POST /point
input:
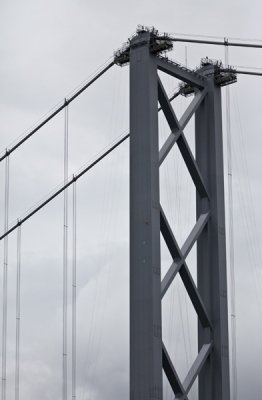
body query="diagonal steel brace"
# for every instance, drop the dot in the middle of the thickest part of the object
(179, 265)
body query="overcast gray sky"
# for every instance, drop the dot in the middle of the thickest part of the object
(48, 48)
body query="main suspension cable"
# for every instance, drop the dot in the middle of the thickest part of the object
(241, 72)
(55, 112)
(5, 276)
(18, 300)
(191, 35)
(225, 42)
(75, 178)
(64, 186)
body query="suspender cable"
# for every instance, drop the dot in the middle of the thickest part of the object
(5, 265)
(18, 285)
(107, 67)
(65, 258)
(74, 297)
(56, 111)
(118, 142)
(231, 238)
(65, 186)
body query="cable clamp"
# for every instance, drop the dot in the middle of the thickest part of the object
(74, 178)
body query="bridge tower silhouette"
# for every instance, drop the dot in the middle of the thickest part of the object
(148, 354)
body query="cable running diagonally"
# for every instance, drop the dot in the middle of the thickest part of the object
(64, 186)
(224, 42)
(191, 35)
(55, 112)
(75, 177)
(247, 206)
(242, 72)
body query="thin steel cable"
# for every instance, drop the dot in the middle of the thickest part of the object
(239, 72)
(5, 278)
(182, 301)
(246, 67)
(118, 141)
(18, 306)
(216, 37)
(65, 258)
(75, 177)
(225, 42)
(247, 206)
(111, 222)
(59, 107)
(231, 238)
(74, 297)
(55, 111)
(94, 337)
(109, 226)
(185, 294)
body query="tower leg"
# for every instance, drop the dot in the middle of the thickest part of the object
(211, 247)
(145, 284)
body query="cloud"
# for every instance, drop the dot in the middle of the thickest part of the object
(47, 49)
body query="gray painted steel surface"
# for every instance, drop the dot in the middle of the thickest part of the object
(211, 247)
(148, 355)
(145, 284)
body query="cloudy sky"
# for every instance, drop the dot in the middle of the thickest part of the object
(48, 48)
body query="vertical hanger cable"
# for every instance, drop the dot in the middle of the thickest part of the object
(18, 297)
(65, 257)
(5, 276)
(74, 297)
(231, 237)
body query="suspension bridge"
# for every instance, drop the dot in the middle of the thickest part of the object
(155, 131)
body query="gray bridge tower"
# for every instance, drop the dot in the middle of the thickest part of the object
(148, 355)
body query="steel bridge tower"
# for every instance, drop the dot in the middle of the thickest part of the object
(148, 355)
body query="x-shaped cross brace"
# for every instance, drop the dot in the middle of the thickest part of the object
(179, 264)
